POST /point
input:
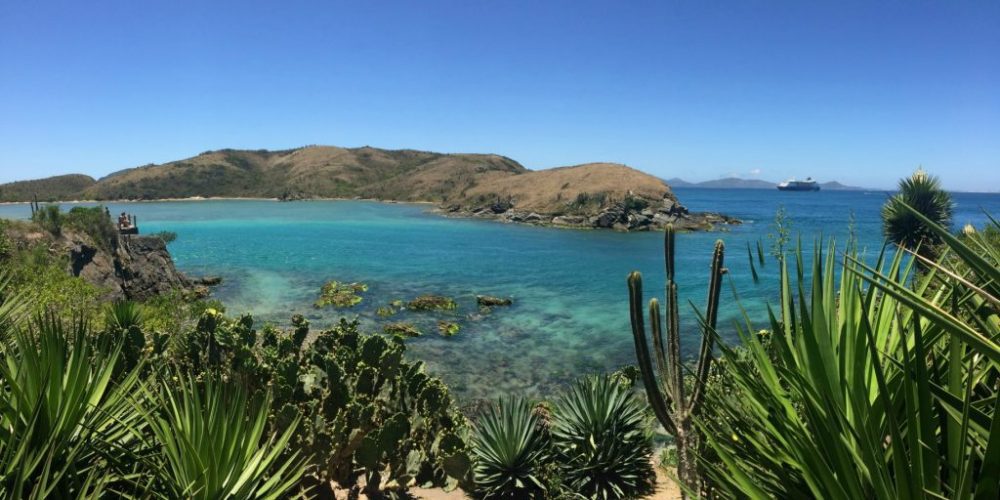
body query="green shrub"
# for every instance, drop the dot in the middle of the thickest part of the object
(49, 218)
(602, 440)
(6, 246)
(166, 236)
(94, 222)
(510, 451)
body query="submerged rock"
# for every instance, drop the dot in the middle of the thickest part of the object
(402, 329)
(432, 303)
(337, 294)
(448, 328)
(490, 301)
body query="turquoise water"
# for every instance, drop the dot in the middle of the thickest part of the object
(570, 312)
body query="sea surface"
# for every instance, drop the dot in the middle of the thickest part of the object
(570, 311)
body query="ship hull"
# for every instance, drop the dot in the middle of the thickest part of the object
(798, 188)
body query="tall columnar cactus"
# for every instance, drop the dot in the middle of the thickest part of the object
(665, 383)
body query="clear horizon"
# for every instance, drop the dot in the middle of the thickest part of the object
(854, 92)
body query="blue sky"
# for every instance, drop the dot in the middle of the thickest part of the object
(861, 92)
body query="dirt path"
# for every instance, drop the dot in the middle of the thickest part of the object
(666, 489)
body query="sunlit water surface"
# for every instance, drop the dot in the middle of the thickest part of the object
(570, 312)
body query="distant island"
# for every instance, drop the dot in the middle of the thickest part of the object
(738, 183)
(597, 195)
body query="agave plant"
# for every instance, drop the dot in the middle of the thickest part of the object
(884, 386)
(66, 427)
(509, 450)
(602, 440)
(900, 224)
(215, 443)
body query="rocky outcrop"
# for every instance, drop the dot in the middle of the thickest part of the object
(130, 267)
(146, 269)
(634, 214)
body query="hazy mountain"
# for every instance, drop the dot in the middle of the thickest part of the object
(737, 183)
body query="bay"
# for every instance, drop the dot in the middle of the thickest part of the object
(570, 311)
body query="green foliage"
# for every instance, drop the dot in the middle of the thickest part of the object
(34, 270)
(166, 236)
(510, 449)
(635, 204)
(6, 246)
(64, 423)
(673, 403)
(49, 218)
(781, 235)
(432, 303)
(213, 442)
(94, 222)
(602, 441)
(365, 411)
(924, 194)
(883, 386)
(337, 294)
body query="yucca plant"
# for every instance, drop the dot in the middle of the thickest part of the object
(66, 427)
(214, 442)
(884, 386)
(602, 441)
(122, 315)
(901, 226)
(510, 449)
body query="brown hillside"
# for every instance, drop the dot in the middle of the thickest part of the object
(556, 190)
(466, 180)
(318, 171)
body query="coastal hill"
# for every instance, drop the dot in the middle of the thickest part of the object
(333, 172)
(61, 187)
(738, 183)
(481, 185)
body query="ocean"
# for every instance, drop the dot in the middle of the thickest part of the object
(570, 310)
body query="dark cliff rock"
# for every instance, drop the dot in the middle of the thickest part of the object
(130, 267)
(146, 268)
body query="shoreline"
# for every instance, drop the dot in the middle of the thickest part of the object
(616, 217)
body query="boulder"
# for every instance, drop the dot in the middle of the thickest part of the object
(569, 220)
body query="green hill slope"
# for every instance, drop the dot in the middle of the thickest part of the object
(59, 188)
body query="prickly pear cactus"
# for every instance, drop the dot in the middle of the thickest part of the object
(366, 412)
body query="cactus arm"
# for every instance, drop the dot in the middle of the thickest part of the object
(668, 252)
(656, 399)
(659, 350)
(676, 380)
(711, 317)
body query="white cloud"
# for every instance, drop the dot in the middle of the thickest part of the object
(755, 172)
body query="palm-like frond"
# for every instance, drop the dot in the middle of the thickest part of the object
(66, 427)
(509, 448)
(923, 193)
(601, 436)
(214, 443)
(881, 387)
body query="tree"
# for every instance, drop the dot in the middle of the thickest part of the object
(923, 192)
